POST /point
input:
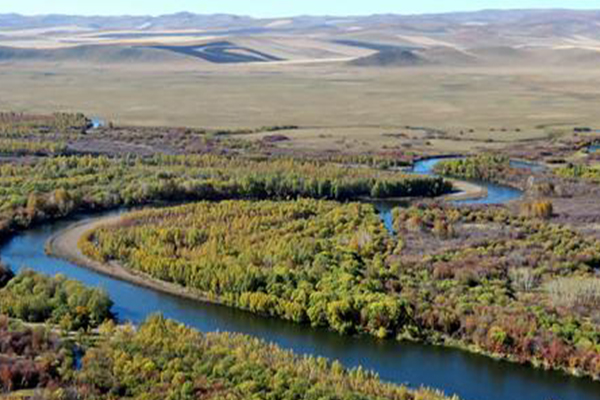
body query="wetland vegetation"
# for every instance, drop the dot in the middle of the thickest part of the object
(160, 359)
(293, 237)
(482, 279)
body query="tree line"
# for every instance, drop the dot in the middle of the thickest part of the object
(55, 187)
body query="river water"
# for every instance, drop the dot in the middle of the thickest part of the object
(98, 123)
(470, 376)
(496, 194)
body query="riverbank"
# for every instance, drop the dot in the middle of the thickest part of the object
(64, 245)
(465, 191)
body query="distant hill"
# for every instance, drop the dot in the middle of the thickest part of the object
(171, 21)
(555, 21)
(486, 37)
(96, 54)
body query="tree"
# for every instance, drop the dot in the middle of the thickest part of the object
(34, 205)
(62, 200)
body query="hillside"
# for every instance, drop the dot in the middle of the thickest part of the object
(518, 36)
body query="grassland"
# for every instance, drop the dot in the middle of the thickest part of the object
(338, 107)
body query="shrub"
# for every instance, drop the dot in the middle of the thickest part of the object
(543, 209)
(523, 279)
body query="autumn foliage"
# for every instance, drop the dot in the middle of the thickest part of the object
(334, 265)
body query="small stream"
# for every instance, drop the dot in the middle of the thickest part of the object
(98, 123)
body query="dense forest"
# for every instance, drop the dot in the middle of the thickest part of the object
(55, 187)
(165, 360)
(158, 360)
(514, 286)
(33, 297)
(485, 167)
(300, 260)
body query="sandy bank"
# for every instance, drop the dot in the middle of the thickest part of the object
(64, 245)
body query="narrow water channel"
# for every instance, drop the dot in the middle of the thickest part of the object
(496, 194)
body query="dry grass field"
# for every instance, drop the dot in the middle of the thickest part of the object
(336, 105)
(454, 83)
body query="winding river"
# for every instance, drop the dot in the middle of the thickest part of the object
(471, 376)
(496, 194)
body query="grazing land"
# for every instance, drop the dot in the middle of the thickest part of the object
(470, 81)
(350, 109)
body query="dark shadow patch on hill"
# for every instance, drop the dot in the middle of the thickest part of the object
(391, 58)
(91, 53)
(387, 55)
(221, 53)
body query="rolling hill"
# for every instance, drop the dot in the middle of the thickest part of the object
(487, 37)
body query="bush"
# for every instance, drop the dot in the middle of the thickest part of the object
(34, 297)
(543, 209)
(523, 279)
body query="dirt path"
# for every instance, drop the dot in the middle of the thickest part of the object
(64, 245)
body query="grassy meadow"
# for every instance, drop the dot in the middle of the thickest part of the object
(337, 106)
